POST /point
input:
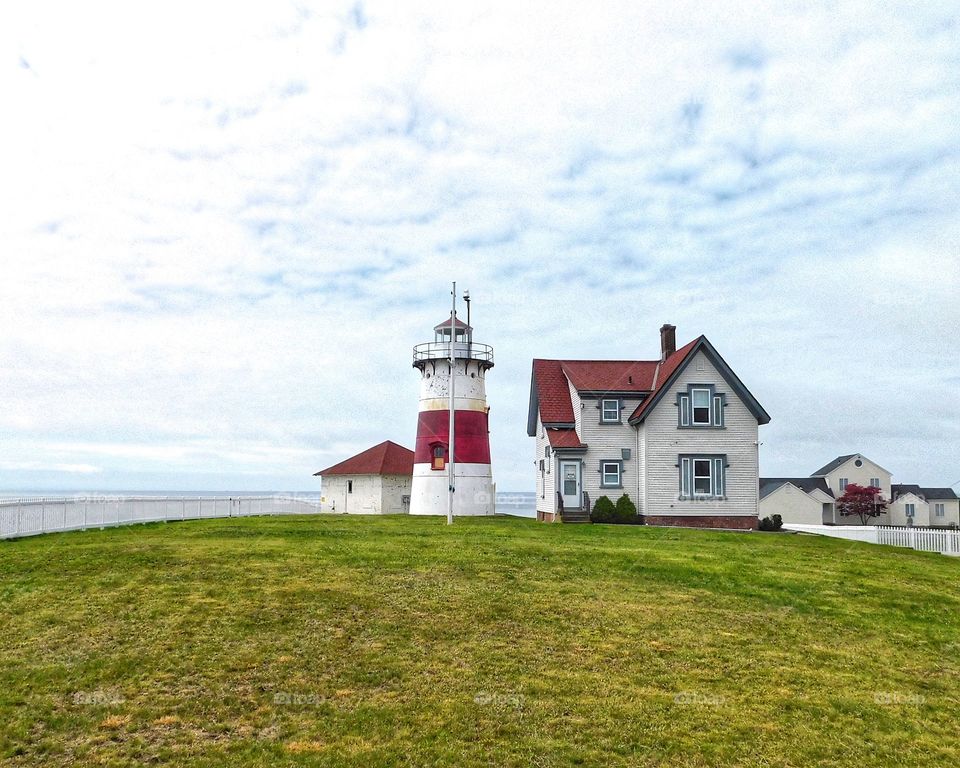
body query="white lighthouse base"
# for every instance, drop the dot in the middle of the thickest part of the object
(475, 493)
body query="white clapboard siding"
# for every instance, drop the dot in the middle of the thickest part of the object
(607, 441)
(665, 442)
(546, 482)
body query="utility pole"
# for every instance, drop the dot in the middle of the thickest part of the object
(451, 456)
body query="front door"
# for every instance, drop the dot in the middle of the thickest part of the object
(570, 481)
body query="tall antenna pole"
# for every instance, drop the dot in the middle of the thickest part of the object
(451, 464)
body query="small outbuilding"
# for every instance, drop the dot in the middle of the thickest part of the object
(374, 482)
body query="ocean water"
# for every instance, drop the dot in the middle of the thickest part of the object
(516, 503)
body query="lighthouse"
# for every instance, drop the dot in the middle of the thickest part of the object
(471, 479)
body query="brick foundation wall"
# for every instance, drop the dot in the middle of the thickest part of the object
(546, 517)
(705, 521)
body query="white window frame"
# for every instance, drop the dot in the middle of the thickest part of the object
(910, 510)
(875, 484)
(708, 476)
(694, 406)
(939, 510)
(844, 482)
(616, 411)
(618, 482)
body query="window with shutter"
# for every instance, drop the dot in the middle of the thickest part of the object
(701, 407)
(702, 476)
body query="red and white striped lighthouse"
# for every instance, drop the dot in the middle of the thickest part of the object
(472, 479)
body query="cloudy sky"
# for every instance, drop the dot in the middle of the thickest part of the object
(223, 226)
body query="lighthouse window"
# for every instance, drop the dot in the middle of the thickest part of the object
(439, 457)
(349, 486)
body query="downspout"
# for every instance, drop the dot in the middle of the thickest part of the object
(756, 485)
(636, 454)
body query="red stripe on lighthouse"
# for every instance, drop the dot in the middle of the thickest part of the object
(471, 435)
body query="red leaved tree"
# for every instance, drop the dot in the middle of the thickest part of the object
(861, 500)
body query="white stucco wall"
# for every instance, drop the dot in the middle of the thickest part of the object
(365, 499)
(393, 489)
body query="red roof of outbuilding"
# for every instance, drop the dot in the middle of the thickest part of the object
(387, 458)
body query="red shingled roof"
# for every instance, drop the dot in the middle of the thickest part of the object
(553, 393)
(550, 379)
(387, 458)
(565, 437)
(667, 367)
(610, 375)
(446, 324)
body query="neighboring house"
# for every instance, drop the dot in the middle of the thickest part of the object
(678, 435)
(933, 507)
(854, 468)
(823, 487)
(807, 500)
(376, 481)
(907, 504)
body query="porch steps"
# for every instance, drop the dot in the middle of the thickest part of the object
(575, 516)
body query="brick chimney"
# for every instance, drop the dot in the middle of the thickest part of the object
(668, 340)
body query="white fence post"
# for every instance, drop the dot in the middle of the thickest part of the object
(43, 514)
(19, 516)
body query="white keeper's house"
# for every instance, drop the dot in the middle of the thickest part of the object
(374, 482)
(678, 434)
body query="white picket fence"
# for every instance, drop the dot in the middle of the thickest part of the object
(31, 516)
(923, 539)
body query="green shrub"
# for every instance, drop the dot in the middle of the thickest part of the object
(603, 511)
(626, 512)
(771, 524)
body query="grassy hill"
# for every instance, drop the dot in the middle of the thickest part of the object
(496, 642)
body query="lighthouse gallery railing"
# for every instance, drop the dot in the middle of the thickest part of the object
(440, 350)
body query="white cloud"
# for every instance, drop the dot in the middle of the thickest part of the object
(223, 228)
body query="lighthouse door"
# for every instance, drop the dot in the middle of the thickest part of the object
(570, 480)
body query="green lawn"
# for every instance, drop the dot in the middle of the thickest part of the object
(496, 642)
